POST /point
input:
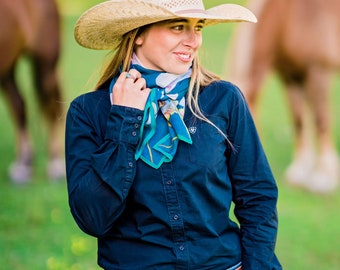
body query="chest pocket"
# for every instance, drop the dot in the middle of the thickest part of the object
(208, 144)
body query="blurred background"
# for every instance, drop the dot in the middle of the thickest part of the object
(36, 227)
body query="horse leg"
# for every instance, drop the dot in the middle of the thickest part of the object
(325, 177)
(252, 52)
(21, 169)
(249, 74)
(49, 96)
(303, 162)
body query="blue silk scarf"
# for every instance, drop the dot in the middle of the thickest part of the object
(163, 124)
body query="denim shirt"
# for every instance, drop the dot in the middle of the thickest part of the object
(177, 216)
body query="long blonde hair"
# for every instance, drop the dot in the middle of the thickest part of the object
(122, 59)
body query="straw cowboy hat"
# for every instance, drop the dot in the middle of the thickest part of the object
(102, 26)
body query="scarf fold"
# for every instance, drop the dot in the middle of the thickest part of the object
(162, 126)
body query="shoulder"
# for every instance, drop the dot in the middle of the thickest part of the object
(90, 105)
(92, 102)
(224, 88)
(94, 98)
(222, 94)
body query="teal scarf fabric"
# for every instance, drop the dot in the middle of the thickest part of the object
(163, 124)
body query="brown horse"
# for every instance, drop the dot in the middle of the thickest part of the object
(31, 27)
(300, 40)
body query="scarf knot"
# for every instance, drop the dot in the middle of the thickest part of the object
(162, 126)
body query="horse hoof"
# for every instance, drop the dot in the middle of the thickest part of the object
(325, 177)
(296, 177)
(20, 173)
(56, 169)
(322, 178)
(299, 171)
(322, 182)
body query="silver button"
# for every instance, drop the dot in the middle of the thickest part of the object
(139, 118)
(134, 133)
(176, 217)
(181, 247)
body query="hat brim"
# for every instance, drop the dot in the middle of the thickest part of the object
(102, 26)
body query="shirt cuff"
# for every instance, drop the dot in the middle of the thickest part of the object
(123, 124)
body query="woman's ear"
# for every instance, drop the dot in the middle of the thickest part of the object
(139, 41)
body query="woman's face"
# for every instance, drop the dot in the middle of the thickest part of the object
(170, 46)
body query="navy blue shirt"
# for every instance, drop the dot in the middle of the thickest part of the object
(177, 216)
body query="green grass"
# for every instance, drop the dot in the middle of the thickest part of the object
(36, 229)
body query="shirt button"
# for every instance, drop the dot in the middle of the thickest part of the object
(130, 164)
(176, 217)
(136, 126)
(181, 247)
(139, 118)
(169, 182)
(134, 133)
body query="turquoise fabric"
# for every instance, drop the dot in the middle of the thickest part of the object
(163, 124)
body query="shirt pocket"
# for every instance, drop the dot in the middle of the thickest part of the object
(208, 144)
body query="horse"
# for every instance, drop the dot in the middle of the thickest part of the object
(31, 28)
(300, 41)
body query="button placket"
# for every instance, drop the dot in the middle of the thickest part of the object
(175, 213)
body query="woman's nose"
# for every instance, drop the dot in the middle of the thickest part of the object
(192, 39)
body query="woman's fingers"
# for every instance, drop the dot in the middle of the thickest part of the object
(133, 75)
(130, 90)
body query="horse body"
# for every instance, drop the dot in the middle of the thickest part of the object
(31, 27)
(310, 34)
(300, 40)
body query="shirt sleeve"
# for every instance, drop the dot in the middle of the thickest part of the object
(254, 189)
(100, 163)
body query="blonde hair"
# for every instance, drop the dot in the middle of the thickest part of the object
(122, 59)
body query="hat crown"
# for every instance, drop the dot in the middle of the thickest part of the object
(179, 5)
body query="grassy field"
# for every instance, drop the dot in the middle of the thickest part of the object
(37, 231)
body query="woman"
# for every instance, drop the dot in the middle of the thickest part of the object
(157, 154)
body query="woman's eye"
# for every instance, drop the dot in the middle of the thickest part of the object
(177, 27)
(199, 27)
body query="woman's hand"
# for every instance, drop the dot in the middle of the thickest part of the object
(130, 90)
